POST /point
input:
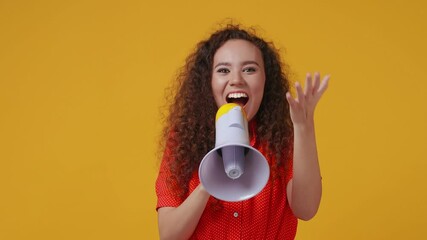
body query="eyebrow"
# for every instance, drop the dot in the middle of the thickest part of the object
(229, 64)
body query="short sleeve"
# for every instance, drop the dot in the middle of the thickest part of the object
(165, 195)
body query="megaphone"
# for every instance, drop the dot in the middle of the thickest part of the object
(233, 171)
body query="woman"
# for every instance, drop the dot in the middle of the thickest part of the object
(234, 65)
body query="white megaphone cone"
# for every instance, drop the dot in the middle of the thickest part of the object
(233, 171)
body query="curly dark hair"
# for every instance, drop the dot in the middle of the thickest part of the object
(189, 131)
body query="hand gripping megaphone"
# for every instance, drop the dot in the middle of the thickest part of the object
(233, 171)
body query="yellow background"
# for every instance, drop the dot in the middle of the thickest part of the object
(82, 85)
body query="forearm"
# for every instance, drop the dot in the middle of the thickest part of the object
(306, 182)
(180, 222)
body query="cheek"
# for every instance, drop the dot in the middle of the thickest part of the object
(217, 91)
(259, 89)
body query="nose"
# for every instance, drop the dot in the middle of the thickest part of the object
(236, 79)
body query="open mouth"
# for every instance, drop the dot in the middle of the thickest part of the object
(240, 98)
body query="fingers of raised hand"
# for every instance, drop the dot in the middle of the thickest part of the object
(291, 100)
(308, 91)
(322, 87)
(313, 91)
(314, 88)
(300, 93)
(316, 82)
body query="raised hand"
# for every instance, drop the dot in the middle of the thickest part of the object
(303, 106)
(305, 188)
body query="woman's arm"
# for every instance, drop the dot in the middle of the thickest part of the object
(305, 189)
(180, 222)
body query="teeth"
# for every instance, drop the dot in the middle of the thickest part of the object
(237, 95)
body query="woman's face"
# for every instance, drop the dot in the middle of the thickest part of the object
(238, 76)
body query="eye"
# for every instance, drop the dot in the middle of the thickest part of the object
(222, 70)
(249, 69)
